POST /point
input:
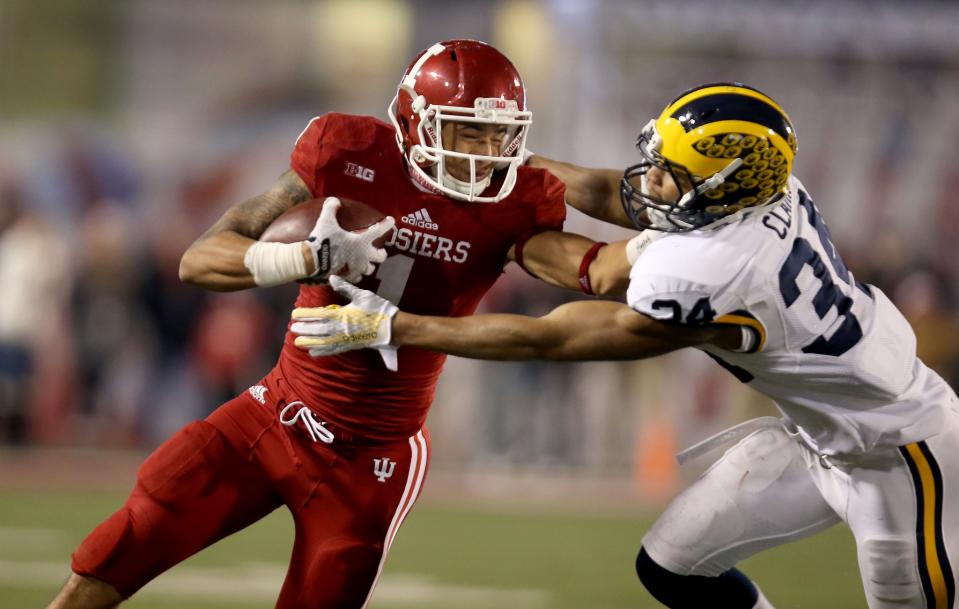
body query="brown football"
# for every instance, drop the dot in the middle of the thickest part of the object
(296, 223)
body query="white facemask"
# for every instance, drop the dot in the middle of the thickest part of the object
(427, 158)
(464, 187)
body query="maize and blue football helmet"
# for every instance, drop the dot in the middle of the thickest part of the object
(729, 146)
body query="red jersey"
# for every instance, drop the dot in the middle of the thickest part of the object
(443, 256)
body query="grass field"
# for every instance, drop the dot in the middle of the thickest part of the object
(447, 556)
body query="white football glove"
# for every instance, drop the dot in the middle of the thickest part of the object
(337, 250)
(366, 321)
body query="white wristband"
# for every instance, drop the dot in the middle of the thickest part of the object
(275, 263)
(638, 244)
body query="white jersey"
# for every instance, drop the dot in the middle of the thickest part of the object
(836, 356)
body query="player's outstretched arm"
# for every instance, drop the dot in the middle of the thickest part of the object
(569, 261)
(215, 261)
(579, 331)
(595, 192)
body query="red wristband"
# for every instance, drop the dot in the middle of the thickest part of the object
(588, 258)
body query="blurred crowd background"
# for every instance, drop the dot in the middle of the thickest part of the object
(127, 128)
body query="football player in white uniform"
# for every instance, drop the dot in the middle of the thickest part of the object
(737, 261)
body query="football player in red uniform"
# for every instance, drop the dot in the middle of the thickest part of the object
(341, 440)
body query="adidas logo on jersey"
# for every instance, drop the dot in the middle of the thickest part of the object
(420, 219)
(259, 393)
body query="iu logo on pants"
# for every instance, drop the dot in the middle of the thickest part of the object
(383, 468)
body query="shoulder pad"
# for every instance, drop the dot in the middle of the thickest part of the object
(345, 131)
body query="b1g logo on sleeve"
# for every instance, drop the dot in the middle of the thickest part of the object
(358, 171)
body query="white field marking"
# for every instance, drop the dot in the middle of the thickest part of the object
(255, 582)
(32, 538)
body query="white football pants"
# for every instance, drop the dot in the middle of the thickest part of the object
(902, 505)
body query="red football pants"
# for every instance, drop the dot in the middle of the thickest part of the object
(217, 476)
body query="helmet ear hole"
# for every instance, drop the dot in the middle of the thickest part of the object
(405, 123)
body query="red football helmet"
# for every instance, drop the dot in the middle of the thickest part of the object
(462, 81)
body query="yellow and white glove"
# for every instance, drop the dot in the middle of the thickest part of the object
(365, 322)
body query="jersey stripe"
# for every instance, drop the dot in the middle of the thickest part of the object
(744, 318)
(941, 555)
(414, 481)
(417, 487)
(935, 572)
